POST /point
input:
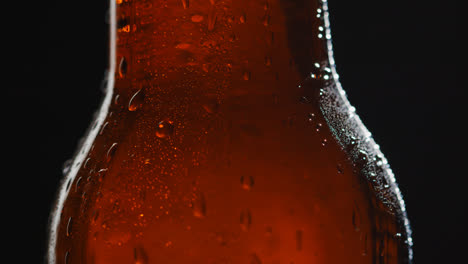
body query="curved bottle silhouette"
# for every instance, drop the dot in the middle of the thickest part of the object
(225, 137)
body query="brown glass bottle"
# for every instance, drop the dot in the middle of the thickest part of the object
(225, 137)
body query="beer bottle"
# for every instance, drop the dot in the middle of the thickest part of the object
(224, 136)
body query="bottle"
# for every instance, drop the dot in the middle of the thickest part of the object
(225, 137)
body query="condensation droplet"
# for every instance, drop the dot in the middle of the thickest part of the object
(246, 75)
(136, 101)
(199, 206)
(111, 152)
(243, 18)
(211, 106)
(245, 219)
(311, 117)
(382, 248)
(77, 184)
(266, 20)
(318, 127)
(324, 142)
(68, 184)
(123, 25)
(356, 219)
(67, 257)
(69, 226)
(268, 61)
(123, 67)
(339, 168)
(364, 245)
(268, 231)
(211, 19)
(197, 18)
(185, 4)
(95, 216)
(299, 235)
(247, 182)
(140, 256)
(67, 166)
(165, 129)
(182, 46)
(86, 163)
(103, 128)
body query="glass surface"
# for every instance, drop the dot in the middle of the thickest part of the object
(225, 137)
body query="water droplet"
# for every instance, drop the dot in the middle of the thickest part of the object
(319, 12)
(140, 256)
(67, 166)
(299, 234)
(254, 259)
(356, 219)
(199, 206)
(136, 101)
(339, 168)
(246, 75)
(318, 127)
(364, 246)
(101, 132)
(122, 67)
(268, 61)
(123, 24)
(165, 129)
(86, 163)
(182, 46)
(68, 184)
(197, 18)
(243, 18)
(111, 152)
(211, 19)
(77, 184)
(245, 219)
(67, 257)
(324, 142)
(321, 72)
(95, 216)
(211, 106)
(266, 20)
(116, 99)
(304, 100)
(185, 4)
(382, 248)
(69, 226)
(247, 182)
(268, 231)
(361, 159)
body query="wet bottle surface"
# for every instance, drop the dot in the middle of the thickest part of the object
(224, 137)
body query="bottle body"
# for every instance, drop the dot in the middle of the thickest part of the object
(225, 138)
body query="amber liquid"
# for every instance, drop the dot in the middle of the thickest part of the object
(223, 143)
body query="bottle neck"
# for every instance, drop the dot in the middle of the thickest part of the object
(175, 39)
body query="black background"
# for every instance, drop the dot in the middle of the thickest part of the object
(398, 62)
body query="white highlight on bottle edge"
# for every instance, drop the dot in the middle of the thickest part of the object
(91, 135)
